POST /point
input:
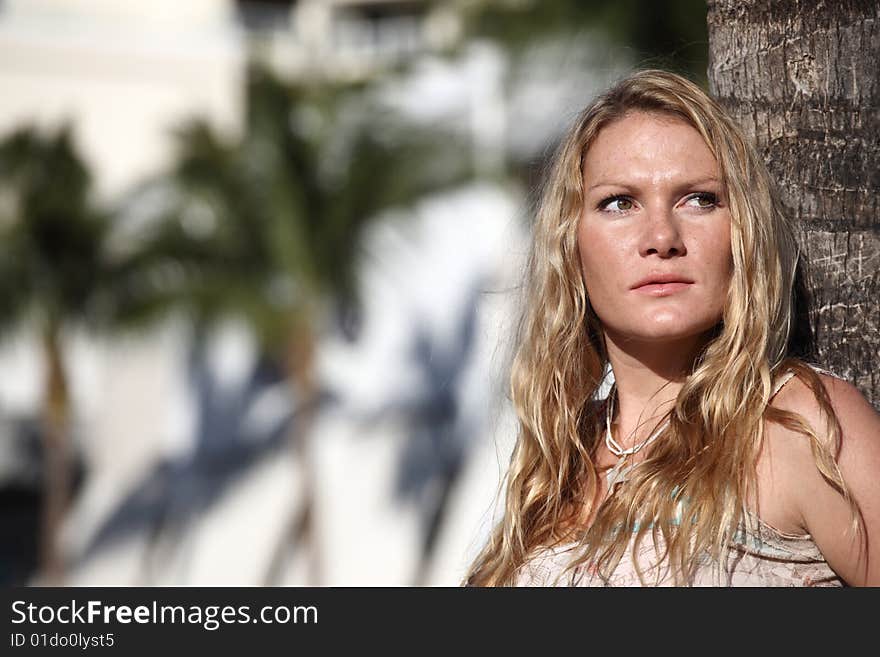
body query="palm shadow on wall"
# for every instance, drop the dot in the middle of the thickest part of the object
(167, 503)
(438, 432)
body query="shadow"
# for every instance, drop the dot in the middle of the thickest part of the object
(21, 499)
(228, 444)
(438, 433)
(802, 339)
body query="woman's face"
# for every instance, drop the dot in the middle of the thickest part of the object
(654, 233)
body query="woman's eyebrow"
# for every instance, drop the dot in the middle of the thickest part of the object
(698, 182)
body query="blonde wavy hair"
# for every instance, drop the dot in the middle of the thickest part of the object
(706, 462)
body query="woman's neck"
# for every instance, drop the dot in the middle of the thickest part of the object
(648, 377)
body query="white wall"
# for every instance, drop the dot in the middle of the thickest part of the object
(123, 73)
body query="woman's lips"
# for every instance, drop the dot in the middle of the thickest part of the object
(662, 289)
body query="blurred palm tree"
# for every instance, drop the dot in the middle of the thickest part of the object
(565, 51)
(52, 264)
(268, 228)
(664, 33)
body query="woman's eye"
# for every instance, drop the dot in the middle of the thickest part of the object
(617, 204)
(702, 200)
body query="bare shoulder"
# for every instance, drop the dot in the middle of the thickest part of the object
(859, 421)
(823, 511)
(853, 411)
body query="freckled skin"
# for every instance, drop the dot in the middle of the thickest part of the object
(654, 205)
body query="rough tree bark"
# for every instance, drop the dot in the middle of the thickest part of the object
(801, 76)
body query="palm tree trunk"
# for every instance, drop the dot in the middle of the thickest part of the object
(801, 78)
(299, 530)
(56, 458)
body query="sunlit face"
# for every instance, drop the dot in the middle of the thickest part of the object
(654, 233)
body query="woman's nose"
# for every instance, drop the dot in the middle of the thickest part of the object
(662, 235)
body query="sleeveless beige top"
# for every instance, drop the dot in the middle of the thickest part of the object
(759, 556)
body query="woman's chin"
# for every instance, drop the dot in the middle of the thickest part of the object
(671, 335)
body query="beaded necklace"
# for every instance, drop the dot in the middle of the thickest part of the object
(618, 473)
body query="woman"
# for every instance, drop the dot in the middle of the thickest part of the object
(717, 457)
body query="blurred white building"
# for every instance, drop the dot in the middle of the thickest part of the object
(124, 74)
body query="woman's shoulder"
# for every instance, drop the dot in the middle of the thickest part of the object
(801, 388)
(808, 393)
(823, 511)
